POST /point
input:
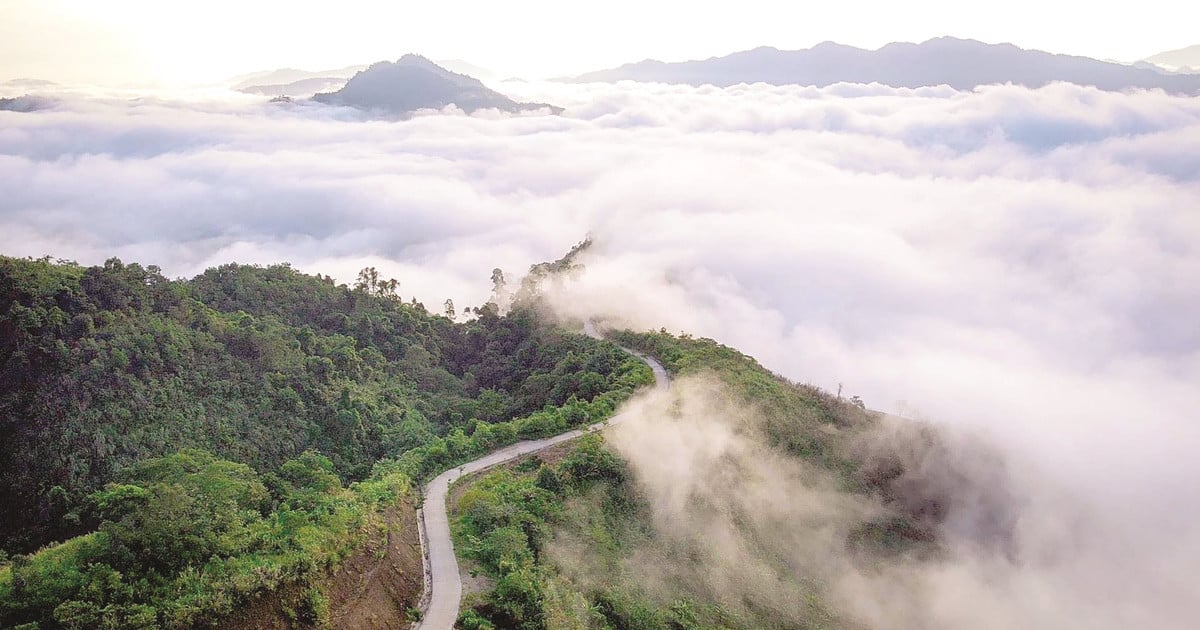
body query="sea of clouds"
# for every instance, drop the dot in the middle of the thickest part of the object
(1022, 264)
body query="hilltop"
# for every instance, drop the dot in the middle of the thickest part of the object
(414, 82)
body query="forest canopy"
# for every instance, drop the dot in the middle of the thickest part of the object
(181, 432)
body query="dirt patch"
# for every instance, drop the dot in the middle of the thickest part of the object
(269, 611)
(552, 455)
(370, 590)
(373, 589)
(477, 584)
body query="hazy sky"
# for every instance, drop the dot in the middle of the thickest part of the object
(190, 41)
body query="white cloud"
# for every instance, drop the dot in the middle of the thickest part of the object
(1018, 261)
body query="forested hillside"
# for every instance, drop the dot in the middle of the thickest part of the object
(286, 386)
(630, 535)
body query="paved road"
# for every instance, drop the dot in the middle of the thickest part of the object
(442, 578)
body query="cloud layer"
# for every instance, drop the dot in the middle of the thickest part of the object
(1018, 263)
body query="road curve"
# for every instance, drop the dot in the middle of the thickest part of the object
(442, 582)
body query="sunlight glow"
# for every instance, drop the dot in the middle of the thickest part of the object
(187, 42)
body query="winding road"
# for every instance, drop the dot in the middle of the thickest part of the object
(443, 586)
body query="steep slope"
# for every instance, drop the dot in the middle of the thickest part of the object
(414, 82)
(961, 64)
(376, 588)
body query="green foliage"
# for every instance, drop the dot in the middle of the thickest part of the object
(138, 412)
(189, 539)
(314, 610)
(799, 419)
(105, 366)
(591, 462)
(548, 480)
(471, 619)
(502, 523)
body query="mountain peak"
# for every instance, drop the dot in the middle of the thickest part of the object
(414, 82)
(413, 59)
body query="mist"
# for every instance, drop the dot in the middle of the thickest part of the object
(1016, 265)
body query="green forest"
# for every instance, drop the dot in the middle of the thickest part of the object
(507, 522)
(173, 448)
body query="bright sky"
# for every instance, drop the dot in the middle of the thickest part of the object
(182, 41)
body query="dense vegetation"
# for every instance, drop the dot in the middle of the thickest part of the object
(507, 522)
(108, 374)
(794, 416)
(188, 537)
(504, 520)
(565, 543)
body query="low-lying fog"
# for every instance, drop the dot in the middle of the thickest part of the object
(1020, 264)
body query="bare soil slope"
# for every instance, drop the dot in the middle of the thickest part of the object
(371, 590)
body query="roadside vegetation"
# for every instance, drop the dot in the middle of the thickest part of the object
(801, 420)
(569, 543)
(175, 448)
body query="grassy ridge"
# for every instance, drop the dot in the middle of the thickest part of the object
(802, 420)
(523, 525)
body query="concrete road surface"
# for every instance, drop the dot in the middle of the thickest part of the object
(442, 578)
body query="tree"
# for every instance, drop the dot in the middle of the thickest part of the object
(387, 289)
(548, 480)
(449, 304)
(368, 278)
(368, 282)
(499, 288)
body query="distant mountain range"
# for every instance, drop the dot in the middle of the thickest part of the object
(1181, 60)
(303, 87)
(960, 63)
(285, 76)
(414, 82)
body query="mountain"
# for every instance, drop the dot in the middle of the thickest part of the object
(467, 68)
(1183, 59)
(303, 87)
(414, 82)
(26, 103)
(960, 63)
(284, 76)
